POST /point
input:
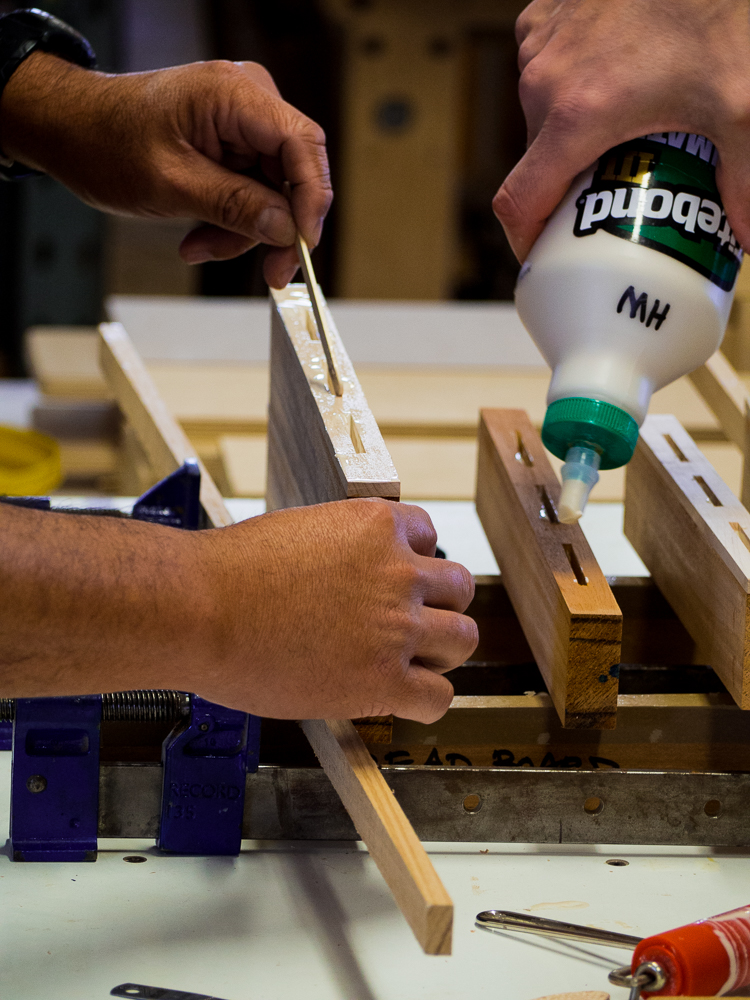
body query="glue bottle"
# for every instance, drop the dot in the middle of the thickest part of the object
(628, 288)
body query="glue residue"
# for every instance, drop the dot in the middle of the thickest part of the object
(565, 904)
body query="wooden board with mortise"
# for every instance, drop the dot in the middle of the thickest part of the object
(381, 823)
(564, 604)
(321, 446)
(693, 534)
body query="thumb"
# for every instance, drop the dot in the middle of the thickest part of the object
(423, 696)
(733, 181)
(537, 184)
(247, 211)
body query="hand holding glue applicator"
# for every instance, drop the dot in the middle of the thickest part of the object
(628, 288)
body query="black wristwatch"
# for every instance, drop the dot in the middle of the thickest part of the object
(23, 32)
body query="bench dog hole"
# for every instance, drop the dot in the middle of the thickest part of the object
(593, 805)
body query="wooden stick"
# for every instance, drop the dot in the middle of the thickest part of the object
(313, 290)
(390, 838)
(563, 602)
(693, 534)
(369, 801)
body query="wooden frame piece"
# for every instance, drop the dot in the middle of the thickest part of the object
(160, 435)
(693, 534)
(378, 818)
(321, 446)
(726, 394)
(568, 613)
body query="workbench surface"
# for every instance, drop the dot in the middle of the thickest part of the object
(317, 921)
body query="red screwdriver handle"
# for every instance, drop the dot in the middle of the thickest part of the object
(708, 958)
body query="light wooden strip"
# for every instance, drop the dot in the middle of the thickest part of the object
(320, 446)
(587, 995)
(563, 602)
(693, 534)
(162, 438)
(390, 838)
(726, 394)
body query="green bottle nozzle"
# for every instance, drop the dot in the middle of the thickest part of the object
(579, 476)
(589, 435)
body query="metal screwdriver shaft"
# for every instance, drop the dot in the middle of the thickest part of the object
(506, 920)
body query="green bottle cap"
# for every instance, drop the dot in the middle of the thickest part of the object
(591, 423)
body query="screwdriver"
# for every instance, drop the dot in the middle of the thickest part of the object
(136, 991)
(710, 957)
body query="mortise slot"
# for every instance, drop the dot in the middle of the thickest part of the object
(355, 436)
(312, 326)
(575, 565)
(675, 448)
(710, 495)
(741, 534)
(547, 509)
(522, 454)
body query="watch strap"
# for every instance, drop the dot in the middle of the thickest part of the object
(23, 32)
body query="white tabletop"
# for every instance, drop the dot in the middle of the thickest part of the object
(290, 920)
(317, 921)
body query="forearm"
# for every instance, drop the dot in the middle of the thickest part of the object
(93, 604)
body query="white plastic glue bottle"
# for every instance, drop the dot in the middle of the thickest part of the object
(628, 287)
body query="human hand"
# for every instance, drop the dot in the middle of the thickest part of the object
(595, 73)
(336, 611)
(170, 143)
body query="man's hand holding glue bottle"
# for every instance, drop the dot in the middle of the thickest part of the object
(629, 210)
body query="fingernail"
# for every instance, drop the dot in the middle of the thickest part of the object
(275, 225)
(196, 255)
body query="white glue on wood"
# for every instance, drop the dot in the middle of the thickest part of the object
(628, 288)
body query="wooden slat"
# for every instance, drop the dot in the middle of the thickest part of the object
(162, 438)
(390, 838)
(565, 607)
(693, 534)
(382, 825)
(663, 732)
(320, 446)
(726, 394)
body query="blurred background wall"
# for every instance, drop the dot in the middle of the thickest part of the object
(419, 102)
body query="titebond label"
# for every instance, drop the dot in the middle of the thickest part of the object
(660, 190)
